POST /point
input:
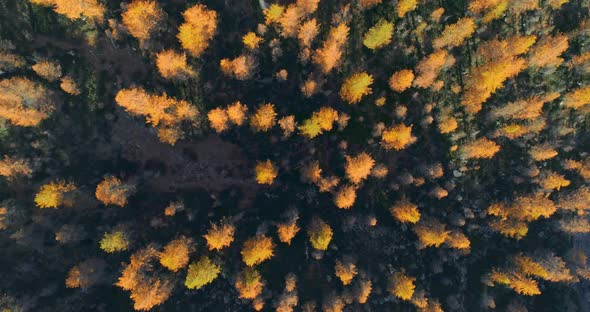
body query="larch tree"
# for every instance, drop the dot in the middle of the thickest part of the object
(547, 51)
(176, 253)
(86, 274)
(379, 35)
(455, 34)
(92, 9)
(358, 168)
(24, 102)
(356, 87)
(405, 6)
(401, 80)
(430, 66)
(50, 71)
(257, 250)
(397, 137)
(577, 98)
(249, 283)
(480, 148)
(345, 197)
(345, 270)
(173, 65)
(53, 194)
(218, 119)
(112, 191)
(402, 286)
(115, 241)
(201, 273)
(320, 234)
(431, 232)
(142, 18)
(405, 212)
(220, 235)
(12, 167)
(328, 56)
(264, 118)
(266, 172)
(198, 29)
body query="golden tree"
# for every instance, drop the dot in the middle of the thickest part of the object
(114, 241)
(48, 70)
(457, 240)
(141, 17)
(287, 124)
(273, 13)
(552, 180)
(76, 9)
(51, 195)
(257, 250)
(405, 6)
(249, 283)
(10, 62)
(379, 35)
(112, 191)
(251, 40)
(547, 51)
(201, 273)
(69, 86)
(405, 212)
(218, 119)
(264, 118)
(307, 32)
(86, 274)
(266, 172)
(345, 197)
(330, 53)
(241, 67)
(220, 235)
(236, 112)
(397, 137)
(310, 128)
(287, 231)
(362, 289)
(176, 253)
(430, 66)
(401, 80)
(320, 234)
(402, 286)
(577, 98)
(345, 270)
(480, 148)
(542, 152)
(525, 109)
(198, 29)
(173, 65)
(455, 34)
(325, 116)
(290, 20)
(24, 102)
(356, 87)
(11, 167)
(359, 167)
(431, 232)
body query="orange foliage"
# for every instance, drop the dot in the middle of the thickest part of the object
(547, 51)
(402, 286)
(266, 172)
(552, 180)
(176, 254)
(430, 66)
(480, 148)
(455, 34)
(288, 125)
(397, 137)
(329, 55)
(69, 86)
(257, 250)
(85, 274)
(141, 18)
(404, 211)
(289, 21)
(251, 40)
(401, 80)
(307, 32)
(431, 232)
(578, 201)
(236, 112)
(111, 191)
(457, 240)
(198, 29)
(241, 67)
(218, 119)
(356, 87)
(405, 6)
(24, 102)
(48, 70)
(173, 65)
(75, 9)
(220, 235)
(345, 197)
(249, 283)
(11, 167)
(287, 231)
(345, 270)
(524, 109)
(264, 118)
(577, 98)
(51, 195)
(358, 168)
(542, 152)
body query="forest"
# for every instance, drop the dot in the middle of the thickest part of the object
(295, 155)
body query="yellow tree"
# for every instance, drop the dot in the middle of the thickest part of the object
(401, 80)
(264, 118)
(249, 283)
(397, 137)
(266, 172)
(92, 9)
(480, 148)
(359, 167)
(218, 119)
(173, 65)
(236, 112)
(405, 212)
(251, 40)
(24, 102)
(431, 232)
(48, 70)
(429, 67)
(577, 98)
(320, 234)
(201, 273)
(379, 35)
(52, 194)
(198, 29)
(86, 274)
(331, 51)
(455, 34)
(345, 197)
(287, 231)
(11, 167)
(402, 286)
(69, 86)
(405, 6)
(307, 32)
(257, 250)
(112, 191)
(114, 241)
(141, 17)
(345, 270)
(547, 51)
(176, 253)
(356, 87)
(220, 235)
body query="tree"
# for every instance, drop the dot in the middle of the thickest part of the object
(48, 70)
(401, 80)
(287, 231)
(329, 55)
(552, 180)
(547, 51)
(577, 98)
(24, 102)
(288, 125)
(430, 66)
(397, 137)
(264, 118)
(356, 87)
(311, 128)
(218, 119)
(251, 40)
(525, 109)
(455, 34)
(112, 191)
(402, 286)
(173, 65)
(362, 289)
(11, 167)
(290, 20)
(478, 6)
(405, 212)
(198, 29)
(9, 62)
(220, 235)
(249, 283)
(176, 254)
(359, 167)
(201, 273)
(51, 195)
(320, 234)
(307, 32)
(76, 9)
(542, 152)
(431, 232)
(273, 13)
(457, 240)
(266, 172)
(405, 6)
(257, 249)
(345, 197)
(86, 274)
(345, 270)
(379, 35)
(114, 241)
(141, 17)
(236, 112)
(241, 67)
(480, 148)
(69, 86)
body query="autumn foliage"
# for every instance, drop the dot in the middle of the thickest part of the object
(142, 17)
(112, 191)
(198, 29)
(24, 102)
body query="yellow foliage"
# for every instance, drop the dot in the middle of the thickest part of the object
(218, 119)
(240, 68)
(273, 13)
(447, 125)
(496, 12)
(198, 29)
(11, 167)
(547, 51)
(577, 98)
(24, 102)
(320, 234)
(69, 86)
(358, 168)
(249, 283)
(524, 285)
(266, 172)
(402, 286)
(478, 6)
(345, 197)
(142, 17)
(111, 191)
(326, 117)
(287, 124)
(48, 70)
(307, 32)
(220, 235)
(328, 56)
(201, 273)
(10, 61)
(355, 87)
(257, 249)
(405, 212)
(542, 152)
(552, 180)
(397, 137)
(345, 271)
(264, 118)
(114, 241)
(75, 9)
(287, 231)
(290, 21)
(455, 34)
(401, 80)
(236, 112)
(176, 254)
(379, 35)
(251, 40)
(173, 65)
(521, 6)
(510, 228)
(431, 232)
(51, 195)
(480, 148)
(556, 4)
(429, 67)
(362, 290)
(457, 240)
(405, 6)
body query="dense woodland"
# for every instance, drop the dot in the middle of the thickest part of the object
(298, 155)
